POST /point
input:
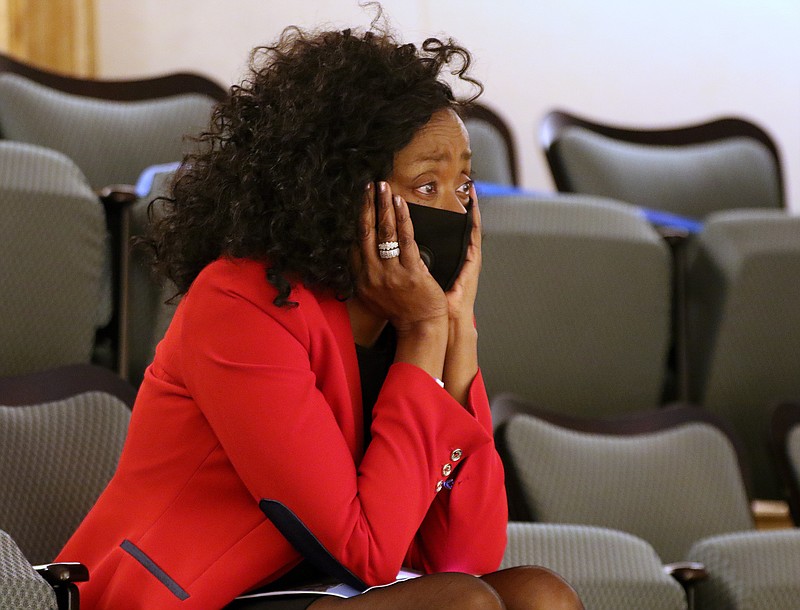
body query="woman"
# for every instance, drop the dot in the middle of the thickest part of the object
(316, 376)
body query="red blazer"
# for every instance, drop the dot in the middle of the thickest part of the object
(248, 401)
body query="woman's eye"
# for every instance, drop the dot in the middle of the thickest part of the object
(427, 189)
(464, 188)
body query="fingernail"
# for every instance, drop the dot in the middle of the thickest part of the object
(382, 186)
(368, 187)
(397, 201)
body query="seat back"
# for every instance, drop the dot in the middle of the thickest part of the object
(785, 440)
(573, 307)
(743, 335)
(111, 140)
(494, 156)
(671, 477)
(58, 450)
(21, 588)
(691, 171)
(55, 277)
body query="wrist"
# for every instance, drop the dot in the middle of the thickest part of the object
(423, 344)
(462, 330)
(461, 360)
(429, 329)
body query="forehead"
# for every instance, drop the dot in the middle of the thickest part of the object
(442, 138)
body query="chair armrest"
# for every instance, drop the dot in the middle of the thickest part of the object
(62, 578)
(118, 194)
(687, 573)
(674, 236)
(63, 572)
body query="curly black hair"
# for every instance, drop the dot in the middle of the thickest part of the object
(280, 174)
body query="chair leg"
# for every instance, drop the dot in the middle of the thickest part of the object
(67, 596)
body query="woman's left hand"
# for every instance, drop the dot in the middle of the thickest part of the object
(461, 359)
(461, 296)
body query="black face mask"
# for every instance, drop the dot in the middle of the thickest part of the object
(443, 238)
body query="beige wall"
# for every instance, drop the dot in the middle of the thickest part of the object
(57, 35)
(628, 61)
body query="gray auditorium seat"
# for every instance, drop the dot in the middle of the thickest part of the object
(750, 571)
(494, 156)
(672, 477)
(112, 141)
(55, 275)
(573, 307)
(669, 476)
(21, 588)
(61, 434)
(609, 569)
(690, 170)
(743, 290)
(113, 130)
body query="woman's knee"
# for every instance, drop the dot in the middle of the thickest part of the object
(534, 588)
(443, 591)
(463, 592)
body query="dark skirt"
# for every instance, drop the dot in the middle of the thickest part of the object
(293, 602)
(301, 575)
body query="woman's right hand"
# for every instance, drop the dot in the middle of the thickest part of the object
(398, 289)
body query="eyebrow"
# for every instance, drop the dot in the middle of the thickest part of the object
(442, 156)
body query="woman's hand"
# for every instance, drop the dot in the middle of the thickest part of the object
(398, 289)
(461, 296)
(461, 359)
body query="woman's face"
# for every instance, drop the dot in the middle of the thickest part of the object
(434, 168)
